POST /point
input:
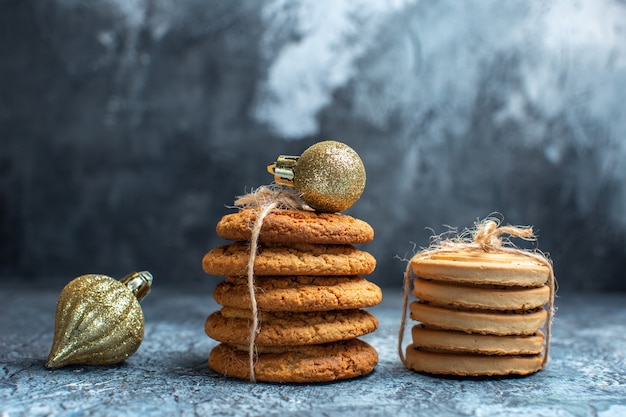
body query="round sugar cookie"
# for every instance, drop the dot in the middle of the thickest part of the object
(295, 259)
(479, 321)
(232, 326)
(481, 268)
(296, 226)
(301, 364)
(465, 364)
(299, 293)
(447, 294)
(461, 342)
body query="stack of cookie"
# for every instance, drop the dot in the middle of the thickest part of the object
(481, 314)
(309, 292)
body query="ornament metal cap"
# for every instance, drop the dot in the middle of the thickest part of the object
(140, 283)
(283, 169)
(99, 320)
(329, 175)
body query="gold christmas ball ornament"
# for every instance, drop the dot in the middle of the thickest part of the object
(99, 320)
(329, 175)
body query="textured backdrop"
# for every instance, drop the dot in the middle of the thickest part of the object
(128, 126)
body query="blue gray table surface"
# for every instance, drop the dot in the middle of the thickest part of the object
(169, 374)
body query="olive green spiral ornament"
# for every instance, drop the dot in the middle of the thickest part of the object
(99, 320)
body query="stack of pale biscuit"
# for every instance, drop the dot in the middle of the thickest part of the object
(310, 295)
(480, 314)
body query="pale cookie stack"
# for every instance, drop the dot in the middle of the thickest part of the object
(481, 314)
(309, 292)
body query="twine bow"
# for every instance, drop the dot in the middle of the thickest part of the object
(486, 236)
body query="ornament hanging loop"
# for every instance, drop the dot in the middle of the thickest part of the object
(283, 169)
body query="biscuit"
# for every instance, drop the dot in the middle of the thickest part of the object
(295, 259)
(296, 226)
(300, 293)
(480, 297)
(482, 268)
(466, 364)
(232, 326)
(460, 342)
(480, 321)
(301, 364)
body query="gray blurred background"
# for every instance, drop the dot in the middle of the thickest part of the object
(128, 126)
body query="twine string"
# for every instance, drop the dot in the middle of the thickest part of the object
(405, 304)
(264, 199)
(254, 242)
(486, 236)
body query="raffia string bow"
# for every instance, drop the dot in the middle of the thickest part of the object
(264, 199)
(487, 236)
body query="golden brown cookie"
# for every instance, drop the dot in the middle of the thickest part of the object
(232, 326)
(300, 293)
(482, 268)
(301, 364)
(461, 342)
(296, 226)
(295, 259)
(480, 296)
(466, 364)
(480, 321)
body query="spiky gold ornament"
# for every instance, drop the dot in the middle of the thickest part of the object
(329, 175)
(99, 320)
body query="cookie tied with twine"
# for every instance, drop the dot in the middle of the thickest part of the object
(293, 298)
(480, 284)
